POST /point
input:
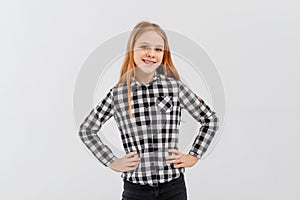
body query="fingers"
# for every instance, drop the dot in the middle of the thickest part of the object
(131, 162)
(172, 157)
(174, 161)
(126, 163)
(174, 151)
(175, 157)
(179, 165)
(129, 169)
(130, 154)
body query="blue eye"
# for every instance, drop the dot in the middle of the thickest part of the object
(145, 47)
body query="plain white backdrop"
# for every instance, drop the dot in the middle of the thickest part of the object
(254, 45)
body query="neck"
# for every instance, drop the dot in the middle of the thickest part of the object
(142, 77)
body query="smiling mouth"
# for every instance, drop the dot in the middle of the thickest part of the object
(148, 62)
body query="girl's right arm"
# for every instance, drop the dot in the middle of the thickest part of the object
(91, 126)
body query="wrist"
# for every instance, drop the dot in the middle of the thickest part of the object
(193, 157)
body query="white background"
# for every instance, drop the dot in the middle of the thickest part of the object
(254, 45)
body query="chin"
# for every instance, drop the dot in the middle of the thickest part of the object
(148, 68)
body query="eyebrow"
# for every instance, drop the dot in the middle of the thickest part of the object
(149, 44)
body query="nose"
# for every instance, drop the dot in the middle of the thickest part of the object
(151, 53)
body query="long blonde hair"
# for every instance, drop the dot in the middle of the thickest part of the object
(128, 65)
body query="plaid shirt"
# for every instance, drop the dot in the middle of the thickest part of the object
(154, 128)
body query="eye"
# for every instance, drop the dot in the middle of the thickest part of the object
(144, 47)
(159, 49)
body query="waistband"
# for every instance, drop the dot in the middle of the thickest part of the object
(181, 177)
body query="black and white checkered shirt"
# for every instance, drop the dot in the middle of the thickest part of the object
(154, 128)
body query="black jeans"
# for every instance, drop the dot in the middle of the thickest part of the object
(173, 190)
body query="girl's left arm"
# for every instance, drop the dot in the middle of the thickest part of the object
(200, 111)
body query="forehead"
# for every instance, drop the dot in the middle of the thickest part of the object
(150, 37)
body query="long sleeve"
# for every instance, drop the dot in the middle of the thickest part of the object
(201, 112)
(91, 126)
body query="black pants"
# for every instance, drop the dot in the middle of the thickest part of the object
(173, 190)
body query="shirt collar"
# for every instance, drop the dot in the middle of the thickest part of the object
(136, 84)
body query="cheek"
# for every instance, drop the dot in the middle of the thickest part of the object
(161, 56)
(137, 55)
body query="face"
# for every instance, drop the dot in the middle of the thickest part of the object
(148, 52)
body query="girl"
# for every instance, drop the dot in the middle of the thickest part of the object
(146, 104)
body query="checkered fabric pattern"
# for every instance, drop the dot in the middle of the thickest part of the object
(154, 128)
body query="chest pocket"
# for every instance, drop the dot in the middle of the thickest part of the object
(165, 103)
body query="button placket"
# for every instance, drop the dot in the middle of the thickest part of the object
(142, 106)
(147, 107)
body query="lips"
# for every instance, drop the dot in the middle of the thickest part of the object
(148, 61)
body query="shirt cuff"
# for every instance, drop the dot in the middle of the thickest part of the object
(195, 154)
(110, 161)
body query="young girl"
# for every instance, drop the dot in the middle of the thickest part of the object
(146, 104)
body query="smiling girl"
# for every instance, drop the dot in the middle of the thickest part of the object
(146, 103)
